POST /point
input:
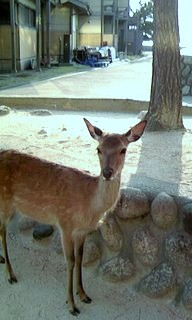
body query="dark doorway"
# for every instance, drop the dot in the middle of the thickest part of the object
(66, 48)
(121, 41)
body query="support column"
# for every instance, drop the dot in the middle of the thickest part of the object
(114, 20)
(126, 28)
(48, 17)
(102, 22)
(13, 36)
(38, 29)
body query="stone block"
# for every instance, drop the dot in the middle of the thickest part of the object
(26, 223)
(145, 246)
(133, 203)
(111, 232)
(56, 242)
(187, 294)
(164, 211)
(159, 282)
(91, 252)
(186, 90)
(187, 60)
(187, 218)
(118, 269)
(186, 71)
(178, 248)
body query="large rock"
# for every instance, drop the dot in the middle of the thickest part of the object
(164, 211)
(111, 232)
(178, 249)
(159, 282)
(4, 110)
(145, 246)
(133, 203)
(118, 269)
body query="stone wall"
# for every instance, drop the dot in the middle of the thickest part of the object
(146, 241)
(186, 75)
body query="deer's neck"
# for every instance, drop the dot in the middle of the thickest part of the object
(107, 194)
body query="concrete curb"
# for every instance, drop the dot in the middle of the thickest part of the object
(76, 104)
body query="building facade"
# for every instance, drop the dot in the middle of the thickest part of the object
(36, 32)
(107, 25)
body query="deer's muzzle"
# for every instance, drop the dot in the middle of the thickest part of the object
(107, 173)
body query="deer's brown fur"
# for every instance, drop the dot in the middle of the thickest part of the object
(69, 198)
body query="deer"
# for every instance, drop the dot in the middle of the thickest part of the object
(71, 199)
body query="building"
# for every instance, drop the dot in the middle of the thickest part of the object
(36, 32)
(107, 25)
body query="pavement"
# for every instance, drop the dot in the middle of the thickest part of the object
(128, 82)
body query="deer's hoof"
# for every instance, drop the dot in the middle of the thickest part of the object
(12, 279)
(75, 311)
(86, 299)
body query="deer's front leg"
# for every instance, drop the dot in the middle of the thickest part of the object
(79, 243)
(68, 245)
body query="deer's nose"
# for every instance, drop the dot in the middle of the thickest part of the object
(107, 173)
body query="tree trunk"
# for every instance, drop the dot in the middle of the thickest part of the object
(166, 95)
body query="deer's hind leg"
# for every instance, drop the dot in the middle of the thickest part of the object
(79, 244)
(3, 235)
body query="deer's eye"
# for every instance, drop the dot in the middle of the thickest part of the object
(123, 151)
(98, 151)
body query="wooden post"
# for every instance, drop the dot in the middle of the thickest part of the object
(48, 17)
(102, 21)
(116, 44)
(126, 28)
(13, 35)
(38, 24)
(115, 13)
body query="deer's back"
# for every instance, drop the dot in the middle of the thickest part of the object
(42, 189)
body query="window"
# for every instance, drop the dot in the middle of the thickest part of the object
(108, 25)
(4, 13)
(26, 16)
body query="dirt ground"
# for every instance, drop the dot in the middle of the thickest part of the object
(62, 137)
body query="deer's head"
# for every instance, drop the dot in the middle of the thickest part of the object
(112, 148)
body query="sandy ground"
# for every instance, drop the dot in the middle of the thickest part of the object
(41, 289)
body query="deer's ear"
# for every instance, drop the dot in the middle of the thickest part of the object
(136, 132)
(95, 132)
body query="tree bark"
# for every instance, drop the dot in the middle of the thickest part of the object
(166, 95)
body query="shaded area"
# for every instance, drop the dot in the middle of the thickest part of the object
(164, 163)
